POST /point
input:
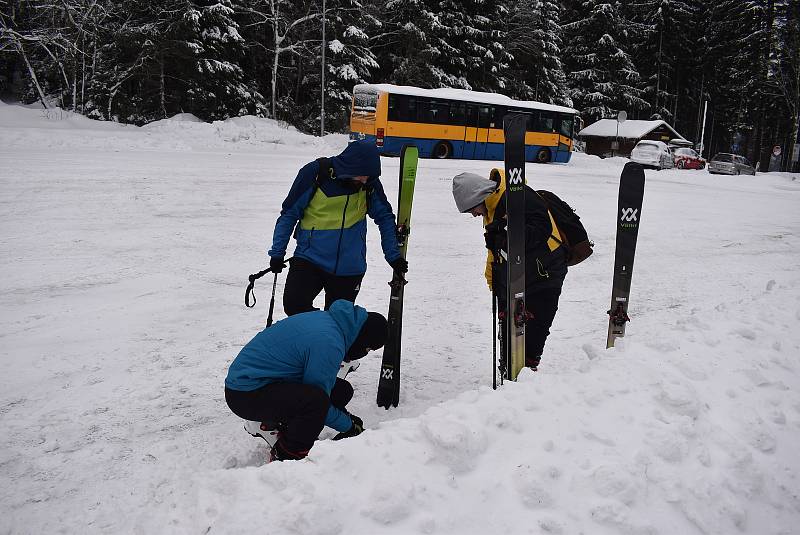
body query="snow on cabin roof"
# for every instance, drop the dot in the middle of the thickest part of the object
(631, 129)
(463, 94)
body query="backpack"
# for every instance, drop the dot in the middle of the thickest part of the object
(574, 236)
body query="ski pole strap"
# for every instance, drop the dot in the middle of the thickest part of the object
(249, 290)
(252, 281)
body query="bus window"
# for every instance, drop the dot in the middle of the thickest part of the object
(544, 122)
(566, 126)
(485, 115)
(458, 113)
(530, 124)
(499, 113)
(471, 116)
(433, 112)
(402, 108)
(412, 109)
(423, 110)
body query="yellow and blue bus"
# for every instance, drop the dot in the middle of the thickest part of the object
(455, 123)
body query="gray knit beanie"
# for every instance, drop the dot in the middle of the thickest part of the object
(469, 190)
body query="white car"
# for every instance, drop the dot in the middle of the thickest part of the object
(655, 154)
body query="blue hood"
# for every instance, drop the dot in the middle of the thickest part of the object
(350, 318)
(360, 158)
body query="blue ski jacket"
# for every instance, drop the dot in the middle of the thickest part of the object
(305, 348)
(328, 218)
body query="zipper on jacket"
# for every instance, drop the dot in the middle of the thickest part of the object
(341, 232)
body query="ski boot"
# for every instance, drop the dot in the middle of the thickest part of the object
(269, 432)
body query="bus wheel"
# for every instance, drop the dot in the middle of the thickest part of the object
(543, 156)
(442, 150)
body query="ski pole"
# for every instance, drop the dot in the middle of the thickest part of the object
(272, 300)
(250, 291)
(494, 341)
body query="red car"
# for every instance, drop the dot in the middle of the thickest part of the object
(686, 158)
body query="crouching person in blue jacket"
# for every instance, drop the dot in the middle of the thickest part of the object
(284, 380)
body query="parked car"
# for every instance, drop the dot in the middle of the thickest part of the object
(730, 164)
(686, 158)
(655, 154)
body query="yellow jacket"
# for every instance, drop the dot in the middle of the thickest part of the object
(498, 175)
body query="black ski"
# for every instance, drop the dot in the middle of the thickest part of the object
(389, 381)
(515, 314)
(629, 213)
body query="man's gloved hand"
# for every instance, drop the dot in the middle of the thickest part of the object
(399, 264)
(357, 429)
(495, 235)
(277, 263)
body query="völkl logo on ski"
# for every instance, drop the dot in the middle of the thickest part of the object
(515, 176)
(629, 214)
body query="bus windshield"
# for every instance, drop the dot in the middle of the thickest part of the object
(365, 99)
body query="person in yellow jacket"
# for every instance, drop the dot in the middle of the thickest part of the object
(545, 259)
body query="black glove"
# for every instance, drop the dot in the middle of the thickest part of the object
(495, 235)
(277, 263)
(399, 264)
(357, 429)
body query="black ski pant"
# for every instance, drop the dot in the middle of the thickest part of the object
(305, 281)
(543, 304)
(299, 410)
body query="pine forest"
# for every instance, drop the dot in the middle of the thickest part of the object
(136, 61)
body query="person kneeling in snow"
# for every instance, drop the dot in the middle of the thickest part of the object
(284, 380)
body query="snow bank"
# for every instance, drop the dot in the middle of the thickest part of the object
(671, 435)
(25, 126)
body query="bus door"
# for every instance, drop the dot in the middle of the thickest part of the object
(476, 133)
(565, 133)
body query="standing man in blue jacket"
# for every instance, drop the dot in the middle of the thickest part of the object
(326, 210)
(284, 380)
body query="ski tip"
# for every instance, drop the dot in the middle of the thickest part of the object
(633, 167)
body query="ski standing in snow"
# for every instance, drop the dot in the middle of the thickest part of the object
(629, 213)
(326, 211)
(284, 381)
(516, 312)
(389, 380)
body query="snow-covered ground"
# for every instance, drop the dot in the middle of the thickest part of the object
(125, 253)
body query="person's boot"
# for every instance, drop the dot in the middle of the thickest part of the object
(269, 432)
(280, 452)
(347, 367)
